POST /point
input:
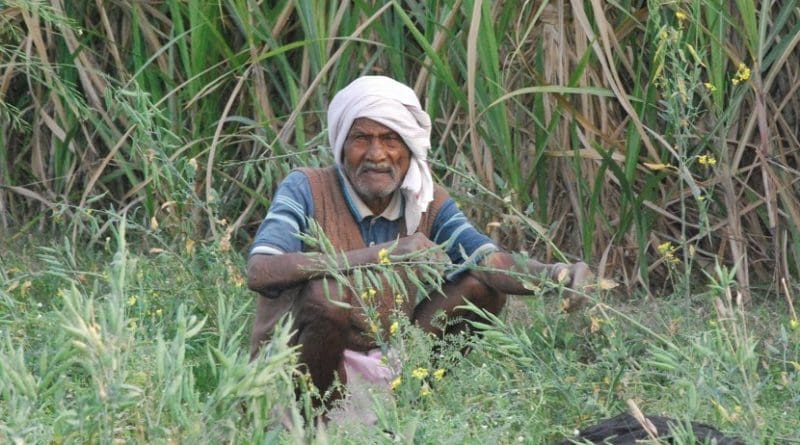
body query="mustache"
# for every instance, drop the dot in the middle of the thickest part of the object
(383, 167)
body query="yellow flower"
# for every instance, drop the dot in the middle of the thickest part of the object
(743, 71)
(399, 299)
(680, 15)
(393, 329)
(383, 257)
(419, 373)
(395, 383)
(666, 249)
(707, 160)
(368, 294)
(131, 300)
(373, 327)
(438, 374)
(158, 312)
(794, 324)
(425, 391)
(742, 74)
(710, 86)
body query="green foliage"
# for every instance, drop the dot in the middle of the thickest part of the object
(614, 129)
(151, 346)
(130, 352)
(657, 140)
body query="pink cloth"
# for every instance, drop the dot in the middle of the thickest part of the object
(368, 365)
(369, 379)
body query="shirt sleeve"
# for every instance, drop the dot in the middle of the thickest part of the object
(287, 217)
(464, 244)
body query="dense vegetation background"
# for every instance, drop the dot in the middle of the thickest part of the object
(657, 140)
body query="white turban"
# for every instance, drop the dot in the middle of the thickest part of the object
(394, 105)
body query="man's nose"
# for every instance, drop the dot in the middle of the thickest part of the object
(377, 149)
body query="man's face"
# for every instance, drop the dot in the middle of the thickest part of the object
(375, 159)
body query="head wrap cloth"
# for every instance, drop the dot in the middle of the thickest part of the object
(396, 106)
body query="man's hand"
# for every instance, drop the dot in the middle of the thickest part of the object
(576, 277)
(419, 242)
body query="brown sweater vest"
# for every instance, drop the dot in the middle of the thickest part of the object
(333, 215)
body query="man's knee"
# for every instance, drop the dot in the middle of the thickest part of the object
(322, 300)
(428, 314)
(481, 295)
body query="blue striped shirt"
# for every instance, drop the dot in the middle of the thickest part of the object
(292, 207)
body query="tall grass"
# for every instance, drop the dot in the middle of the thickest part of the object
(188, 113)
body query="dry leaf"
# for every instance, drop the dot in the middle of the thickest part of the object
(607, 284)
(190, 246)
(657, 167)
(563, 275)
(595, 325)
(530, 286)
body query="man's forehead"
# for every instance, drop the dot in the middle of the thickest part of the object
(367, 124)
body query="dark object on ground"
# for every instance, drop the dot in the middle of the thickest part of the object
(624, 429)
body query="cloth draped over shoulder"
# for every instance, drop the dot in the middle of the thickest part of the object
(396, 106)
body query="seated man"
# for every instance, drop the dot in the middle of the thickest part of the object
(379, 196)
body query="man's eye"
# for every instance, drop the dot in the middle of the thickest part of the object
(392, 139)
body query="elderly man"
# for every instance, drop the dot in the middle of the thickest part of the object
(378, 198)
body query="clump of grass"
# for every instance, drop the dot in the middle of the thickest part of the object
(103, 361)
(136, 346)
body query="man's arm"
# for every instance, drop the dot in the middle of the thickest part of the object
(500, 270)
(270, 274)
(504, 273)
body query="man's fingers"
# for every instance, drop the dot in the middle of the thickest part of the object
(581, 275)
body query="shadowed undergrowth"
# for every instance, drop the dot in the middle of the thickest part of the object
(144, 347)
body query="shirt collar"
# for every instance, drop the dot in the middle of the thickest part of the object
(360, 210)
